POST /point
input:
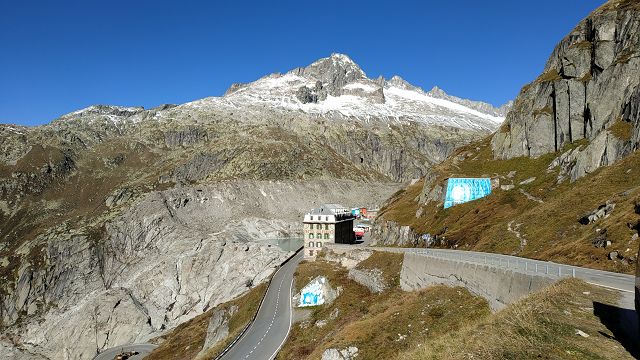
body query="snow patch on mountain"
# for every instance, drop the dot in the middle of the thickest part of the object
(334, 87)
(342, 90)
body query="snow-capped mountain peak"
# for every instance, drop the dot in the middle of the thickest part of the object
(336, 87)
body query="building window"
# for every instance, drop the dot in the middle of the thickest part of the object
(326, 226)
(310, 252)
(311, 226)
(326, 236)
(310, 236)
(311, 217)
(310, 243)
(319, 236)
(318, 244)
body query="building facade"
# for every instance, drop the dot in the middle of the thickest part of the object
(330, 223)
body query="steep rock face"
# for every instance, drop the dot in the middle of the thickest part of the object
(218, 327)
(333, 73)
(589, 90)
(386, 233)
(168, 258)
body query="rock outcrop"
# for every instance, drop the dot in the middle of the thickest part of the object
(333, 72)
(386, 233)
(590, 89)
(348, 353)
(218, 327)
(371, 278)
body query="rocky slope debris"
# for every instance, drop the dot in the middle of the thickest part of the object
(169, 257)
(602, 211)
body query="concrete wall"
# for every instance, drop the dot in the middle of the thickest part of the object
(499, 286)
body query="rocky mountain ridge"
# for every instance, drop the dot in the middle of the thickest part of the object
(336, 87)
(119, 223)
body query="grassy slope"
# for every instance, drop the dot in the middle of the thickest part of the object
(186, 340)
(542, 325)
(551, 228)
(377, 323)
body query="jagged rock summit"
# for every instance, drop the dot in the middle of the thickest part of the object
(589, 94)
(336, 87)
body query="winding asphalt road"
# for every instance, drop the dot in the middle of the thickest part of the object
(266, 335)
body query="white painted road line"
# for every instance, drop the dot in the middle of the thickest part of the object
(290, 322)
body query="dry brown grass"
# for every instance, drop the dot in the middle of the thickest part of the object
(186, 340)
(379, 325)
(621, 129)
(551, 75)
(551, 228)
(541, 326)
(389, 263)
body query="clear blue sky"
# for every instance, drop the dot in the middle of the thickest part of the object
(60, 56)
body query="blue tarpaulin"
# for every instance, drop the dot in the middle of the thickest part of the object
(462, 190)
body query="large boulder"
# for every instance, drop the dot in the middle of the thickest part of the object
(340, 354)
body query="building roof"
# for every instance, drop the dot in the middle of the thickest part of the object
(329, 209)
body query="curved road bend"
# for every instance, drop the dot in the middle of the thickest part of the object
(266, 335)
(616, 281)
(142, 349)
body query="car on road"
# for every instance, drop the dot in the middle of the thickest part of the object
(126, 355)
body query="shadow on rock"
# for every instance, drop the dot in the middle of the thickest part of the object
(623, 324)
